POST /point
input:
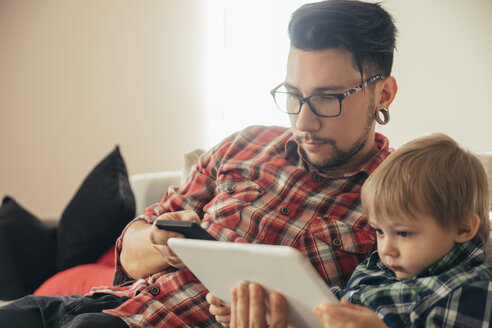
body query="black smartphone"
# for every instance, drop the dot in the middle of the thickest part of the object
(189, 229)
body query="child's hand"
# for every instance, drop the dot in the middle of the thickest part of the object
(221, 312)
(347, 315)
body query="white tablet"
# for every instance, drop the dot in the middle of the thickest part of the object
(221, 265)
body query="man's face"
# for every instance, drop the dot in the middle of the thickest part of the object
(336, 143)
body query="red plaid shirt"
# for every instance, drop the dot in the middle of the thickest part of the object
(255, 188)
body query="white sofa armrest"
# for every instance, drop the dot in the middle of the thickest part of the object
(149, 188)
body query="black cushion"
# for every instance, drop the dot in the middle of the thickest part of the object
(96, 215)
(27, 251)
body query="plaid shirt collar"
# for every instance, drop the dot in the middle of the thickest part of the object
(471, 252)
(453, 292)
(293, 152)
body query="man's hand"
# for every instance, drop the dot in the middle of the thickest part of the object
(248, 308)
(218, 309)
(145, 249)
(347, 315)
(159, 237)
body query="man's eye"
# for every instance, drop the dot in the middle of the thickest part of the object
(324, 99)
(403, 234)
(291, 95)
(327, 97)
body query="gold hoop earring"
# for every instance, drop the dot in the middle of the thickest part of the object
(386, 116)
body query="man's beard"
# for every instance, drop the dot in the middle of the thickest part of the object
(339, 157)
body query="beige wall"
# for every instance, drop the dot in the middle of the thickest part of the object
(78, 77)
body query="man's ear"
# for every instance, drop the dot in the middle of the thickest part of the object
(468, 228)
(387, 92)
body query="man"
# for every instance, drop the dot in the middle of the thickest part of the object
(297, 187)
(331, 43)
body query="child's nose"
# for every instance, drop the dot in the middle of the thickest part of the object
(388, 248)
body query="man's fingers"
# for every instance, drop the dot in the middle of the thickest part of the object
(278, 311)
(212, 299)
(189, 215)
(186, 215)
(217, 307)
(248, 307)
(242, 309)
(234, 307)
(159, 236)
(220, 310)
(344, 314)
(257, 307)
(224, 320)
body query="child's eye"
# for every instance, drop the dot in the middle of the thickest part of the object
(379, 231)
(403, 234)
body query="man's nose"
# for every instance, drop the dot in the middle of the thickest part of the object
(307, 120)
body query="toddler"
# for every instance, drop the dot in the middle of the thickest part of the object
(428, 203)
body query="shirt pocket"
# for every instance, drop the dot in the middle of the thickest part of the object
(231, 197)
(340, 247)
(343, 236)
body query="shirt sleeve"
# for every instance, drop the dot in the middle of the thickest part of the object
(468, 306)
(194, 194)
(338, 291)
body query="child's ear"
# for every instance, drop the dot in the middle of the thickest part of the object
(468, 228)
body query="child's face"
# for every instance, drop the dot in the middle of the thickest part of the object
(407, 246)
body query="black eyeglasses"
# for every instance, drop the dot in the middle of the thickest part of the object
(324, 104)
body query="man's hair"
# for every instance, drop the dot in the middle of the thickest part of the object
(364, 29)
(431, 175)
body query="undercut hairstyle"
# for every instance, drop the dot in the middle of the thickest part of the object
(364, 29)
(431, 175)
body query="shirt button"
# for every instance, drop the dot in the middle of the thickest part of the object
(316, 177)
(337, 242)
(155, 290)
(230, 190)
(285, 211)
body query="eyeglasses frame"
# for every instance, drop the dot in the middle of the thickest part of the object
(339, 96)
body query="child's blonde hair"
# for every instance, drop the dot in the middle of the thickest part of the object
(433, 175)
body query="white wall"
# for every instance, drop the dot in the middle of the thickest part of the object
(444, 71)
(443, 66)
(78, 77)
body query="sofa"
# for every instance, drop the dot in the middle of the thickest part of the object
(146, 188)
(71, 254)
